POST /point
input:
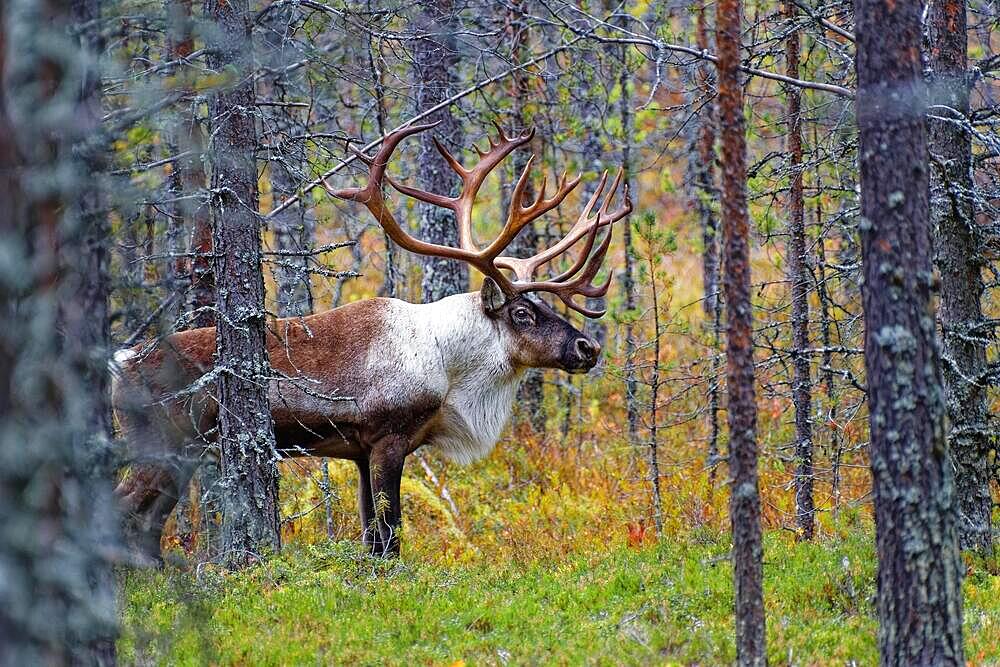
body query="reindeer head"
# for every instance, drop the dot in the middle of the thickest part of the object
(539, 337)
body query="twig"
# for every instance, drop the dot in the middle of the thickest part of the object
(420, 116)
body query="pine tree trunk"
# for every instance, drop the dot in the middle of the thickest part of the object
(185, 185)
(531, 392)
(202, 275)
(192, 180)
(798, 278)
(293, 228)
(394, 271)
(86, 313)
(435, 59)
(625, 103)
(959, 260)
(191, 279)
(250, 524)
(179, 45)
(704, 180)
(57, 597)
(591, 157)
(919, 571)
(86, 316)
(744, 503)
(836, 442)
(704, 194)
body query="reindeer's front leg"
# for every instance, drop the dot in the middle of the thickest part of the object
(370, 535)
(387, 474)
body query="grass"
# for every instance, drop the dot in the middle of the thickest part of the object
(657, 604)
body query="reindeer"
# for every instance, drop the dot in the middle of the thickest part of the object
(374, 380)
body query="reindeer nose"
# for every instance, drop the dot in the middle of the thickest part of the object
(588, 349)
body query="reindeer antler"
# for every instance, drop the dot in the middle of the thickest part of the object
(577, 280)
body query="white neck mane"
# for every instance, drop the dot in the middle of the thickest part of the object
(482, 381)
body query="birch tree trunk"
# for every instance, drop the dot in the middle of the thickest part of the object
(960, 262)
(744, 502)
(919, 570)
(249, 486)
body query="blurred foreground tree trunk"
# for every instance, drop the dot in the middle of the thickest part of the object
(294, 228)
(57, 597)
(249, 485)
(960, 261)
(919, 567)
(744, 503)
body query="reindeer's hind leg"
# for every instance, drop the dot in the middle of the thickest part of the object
(370, 536)
(147, 495)
(159, 471)
(387, 460)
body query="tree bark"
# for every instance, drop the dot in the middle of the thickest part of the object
(57, 599)
(435, 58)
(293, 227)
(250, 524)
(591, 153)
(960, 262)
(179, 46)
(625, 104)
(919, 571)
(531, 392)
(395, 271)
(744, 503)
(186, 212)
(704, 181)
(704, 194)
(798, 278)
(191, 178)
(85, 308)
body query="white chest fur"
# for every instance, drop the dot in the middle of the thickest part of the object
(481, 383)
(473, 417)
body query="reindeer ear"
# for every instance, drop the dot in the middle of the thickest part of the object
(492, 296)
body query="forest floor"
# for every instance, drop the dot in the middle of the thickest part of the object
(638, 603)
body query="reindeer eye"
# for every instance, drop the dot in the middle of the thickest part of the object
(523, 315)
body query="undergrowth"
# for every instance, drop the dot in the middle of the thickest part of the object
(665, 603)
(545, 552)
